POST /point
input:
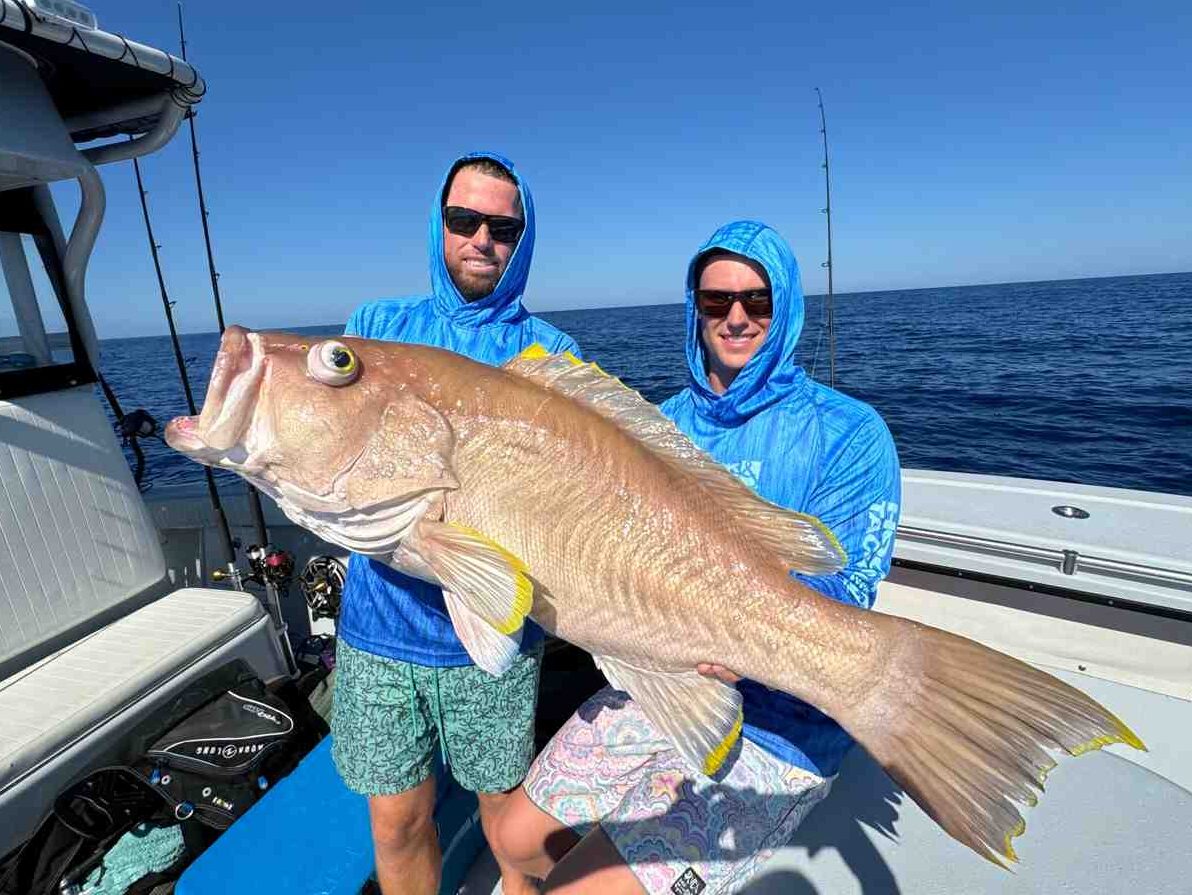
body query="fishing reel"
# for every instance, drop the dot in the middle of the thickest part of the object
(267, 566)
(270, 565)
(322, 584)
(138, 424)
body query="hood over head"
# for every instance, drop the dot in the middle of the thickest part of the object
(772, 373)
(503, 304)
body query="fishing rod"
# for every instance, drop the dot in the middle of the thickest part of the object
(221, 518)
(254, 499)
(271, 567)
(194, 151)
(828, 264)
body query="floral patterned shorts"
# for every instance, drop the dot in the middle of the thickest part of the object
(680, 833)
(390, 716)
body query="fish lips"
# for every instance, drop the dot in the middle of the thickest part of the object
(182, 435)
(232, 397)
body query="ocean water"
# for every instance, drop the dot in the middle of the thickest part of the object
(1072, 380)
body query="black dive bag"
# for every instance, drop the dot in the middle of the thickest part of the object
(219, 760)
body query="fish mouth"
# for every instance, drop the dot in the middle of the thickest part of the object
(231, 399)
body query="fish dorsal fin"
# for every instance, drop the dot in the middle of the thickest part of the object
(802, 542)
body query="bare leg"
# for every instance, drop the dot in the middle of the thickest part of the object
(527, 838)
(492, 807)
(405, 842)
(594, 867)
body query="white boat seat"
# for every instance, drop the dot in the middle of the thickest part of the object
(66, 696)
(68, 712)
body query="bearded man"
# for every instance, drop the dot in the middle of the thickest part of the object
(405, 685)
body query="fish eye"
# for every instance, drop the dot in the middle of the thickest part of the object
(332, 363)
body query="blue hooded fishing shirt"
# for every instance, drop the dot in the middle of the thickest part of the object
(383, 611)
(805, 447)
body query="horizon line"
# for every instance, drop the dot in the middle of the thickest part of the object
(201, 332)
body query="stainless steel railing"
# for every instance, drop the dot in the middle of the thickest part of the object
(1066, 560)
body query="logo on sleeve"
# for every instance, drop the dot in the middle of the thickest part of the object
(879, 534)
(689, 883)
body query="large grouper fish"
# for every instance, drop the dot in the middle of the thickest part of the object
(546, 488)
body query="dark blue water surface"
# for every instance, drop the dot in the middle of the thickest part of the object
(1073, 380)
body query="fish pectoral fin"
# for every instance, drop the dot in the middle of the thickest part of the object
(491, 650)
(701, 716)
(486, 579)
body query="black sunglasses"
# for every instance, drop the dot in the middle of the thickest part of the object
(465, 222)
(717, 303)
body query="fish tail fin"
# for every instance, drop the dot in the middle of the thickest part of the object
(965, 731)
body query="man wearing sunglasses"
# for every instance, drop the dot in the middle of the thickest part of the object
(609, 807)
(405, 686)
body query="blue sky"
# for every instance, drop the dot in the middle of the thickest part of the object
(968, 146)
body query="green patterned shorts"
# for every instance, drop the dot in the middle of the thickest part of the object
(390, 716)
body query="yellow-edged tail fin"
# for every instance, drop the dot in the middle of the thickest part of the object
(966, 731)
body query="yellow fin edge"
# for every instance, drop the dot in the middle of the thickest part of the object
(522, 601)
(537, 352)
(1008, 850)
(823, 529)
(717, 756)
(523, 587)
(832, 539)
(1123, 735)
